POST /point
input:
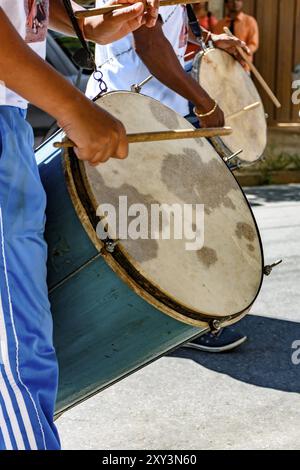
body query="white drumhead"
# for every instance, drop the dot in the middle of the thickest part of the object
(227, 82)
(224, 277)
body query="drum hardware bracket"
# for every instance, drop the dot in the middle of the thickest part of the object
(234, 155)
(110, 245)
(215, 326)
(236, 167)
(268, 269)
(241, 165)
(138, 86)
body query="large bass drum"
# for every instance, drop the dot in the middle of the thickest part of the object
(117, 307)
(229, 84)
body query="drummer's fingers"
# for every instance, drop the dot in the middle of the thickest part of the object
(245, 47)
(121, 148)
(98, 159)
(152, 12)
(132, 14)
(80, 153)
(233, 50)
(120, 151)
(93, 158)
(236, 42)
(238, 57)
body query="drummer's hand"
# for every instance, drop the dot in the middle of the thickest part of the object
(231, 44)
(105, 29)
(97, 135)
(151, 14)
(217, 119)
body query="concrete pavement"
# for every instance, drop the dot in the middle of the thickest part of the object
(248, 399)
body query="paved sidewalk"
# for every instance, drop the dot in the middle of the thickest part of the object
(248, 399)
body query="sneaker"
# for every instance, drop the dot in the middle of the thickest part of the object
(226, 340)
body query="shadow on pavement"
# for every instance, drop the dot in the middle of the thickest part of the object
(264, 360)
(259, 196)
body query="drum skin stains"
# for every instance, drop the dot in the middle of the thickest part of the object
(207, 256)
(209, 61)
(250, 247)
(168, 120)
(244, 230)
(146, 249)
(207, 182)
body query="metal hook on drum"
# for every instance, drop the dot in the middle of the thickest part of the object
(241, 164)
(269, 268)
(215, 326)
(138, 86)
(110, 245)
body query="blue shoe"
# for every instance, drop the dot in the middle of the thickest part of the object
(226, 340)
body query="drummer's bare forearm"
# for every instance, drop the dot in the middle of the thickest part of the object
(28, 75)
(101, 29)
(59, 19)
(158, 55)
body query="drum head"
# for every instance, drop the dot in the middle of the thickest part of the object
(220, 280)
(227, 82)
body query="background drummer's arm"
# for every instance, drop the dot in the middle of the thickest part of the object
(158, 55)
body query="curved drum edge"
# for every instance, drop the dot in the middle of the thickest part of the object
(255, 132)
(84, 203)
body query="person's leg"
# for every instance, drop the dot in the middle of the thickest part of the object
(28, 366)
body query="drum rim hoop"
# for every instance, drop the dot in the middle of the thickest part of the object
(122, 263)
(215, 141)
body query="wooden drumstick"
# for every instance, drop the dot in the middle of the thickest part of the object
(245, 109)
(108, 9)
(256, 73)
(164, 135)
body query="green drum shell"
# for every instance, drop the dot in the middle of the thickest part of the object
(103, 331)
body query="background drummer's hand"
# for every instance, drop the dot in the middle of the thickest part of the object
(97, 134)
(230, 44)
(105, 29)
(216, 119)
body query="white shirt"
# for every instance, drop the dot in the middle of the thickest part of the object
(122, 67)
(30, 18)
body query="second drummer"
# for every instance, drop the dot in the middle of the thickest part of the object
(160, 51)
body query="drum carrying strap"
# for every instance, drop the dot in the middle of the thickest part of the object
(84, 57)
(194, 25)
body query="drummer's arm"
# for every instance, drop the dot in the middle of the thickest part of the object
(103, 29)
(159, 56)
(96, 134)
(59, 19)
(230, 44)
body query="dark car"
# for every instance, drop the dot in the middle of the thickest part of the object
(59, 54)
